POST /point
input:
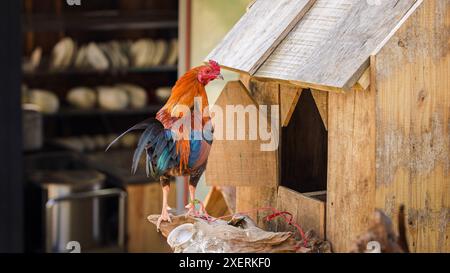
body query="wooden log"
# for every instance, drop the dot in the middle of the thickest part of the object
(187, 234)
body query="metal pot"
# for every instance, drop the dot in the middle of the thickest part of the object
(76, 207)
(77, 220)
(33, 136)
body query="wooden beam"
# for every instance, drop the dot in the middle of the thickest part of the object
(321, 99)
(258, 33)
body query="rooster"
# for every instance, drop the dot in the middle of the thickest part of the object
(171, 149)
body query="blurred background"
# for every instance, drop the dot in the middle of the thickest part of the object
(75, 74)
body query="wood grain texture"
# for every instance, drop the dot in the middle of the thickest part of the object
(258, 32)
(143, 200)
(321, 99)
(364, 80)
(308, 212)
(248, 199)
(245, 80)
(229, 161)
(413, 119)
(331, 45)
(351, 166)
(289, 95)
(215, 203)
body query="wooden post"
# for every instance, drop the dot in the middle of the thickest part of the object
(351, 166)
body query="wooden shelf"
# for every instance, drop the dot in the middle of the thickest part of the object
(68, 112)
(104, 20)
(72, 71)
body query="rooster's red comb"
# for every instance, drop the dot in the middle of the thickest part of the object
(214, 65)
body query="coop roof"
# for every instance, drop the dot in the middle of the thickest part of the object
(323, 43)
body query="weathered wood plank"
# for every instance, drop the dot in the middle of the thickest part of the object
(289, 96)
(228, 162)
(264, 92)
(351, 166)
(413, 119)
(258, 32)
(332, 44)
(308, 212)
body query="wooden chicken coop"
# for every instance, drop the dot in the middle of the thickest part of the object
(363, 89)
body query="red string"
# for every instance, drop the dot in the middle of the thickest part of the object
(275, 213)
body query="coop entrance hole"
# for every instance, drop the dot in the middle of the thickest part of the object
(304, 149)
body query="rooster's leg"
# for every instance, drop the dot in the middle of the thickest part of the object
(191, 205)
(165, 216)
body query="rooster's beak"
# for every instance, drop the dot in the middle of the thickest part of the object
(220, 76)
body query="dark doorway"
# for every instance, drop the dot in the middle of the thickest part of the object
(304, 148)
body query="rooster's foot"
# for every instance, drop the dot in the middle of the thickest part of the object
(191, 210)
(165, 216)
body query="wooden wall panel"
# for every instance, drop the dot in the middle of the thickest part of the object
(143, 200)
(413, 119)
(240, 162)
(351, 166)
(308, 212)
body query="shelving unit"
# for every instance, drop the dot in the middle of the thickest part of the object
(102, 20)
(74, 72)
(44, 23)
